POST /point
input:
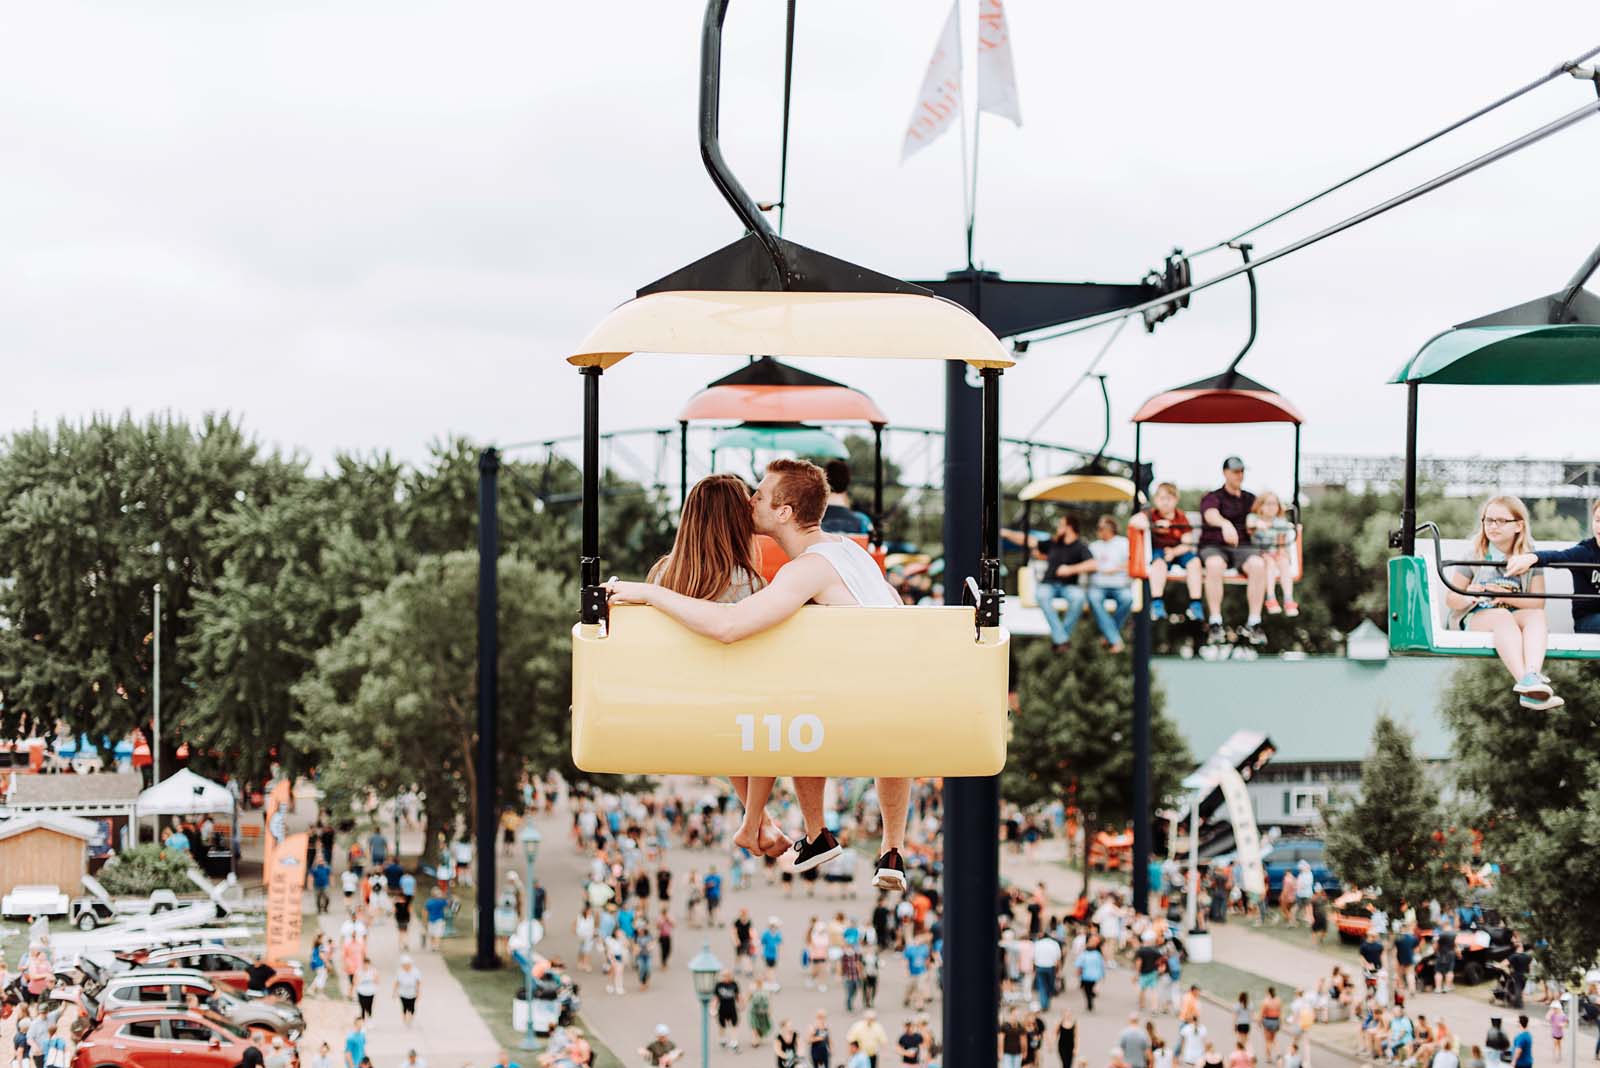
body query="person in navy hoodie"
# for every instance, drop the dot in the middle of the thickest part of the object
(1585, 580)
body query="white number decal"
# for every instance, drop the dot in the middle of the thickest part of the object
(798, 729)
(805, 733)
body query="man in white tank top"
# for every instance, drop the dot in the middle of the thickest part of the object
(823, 569)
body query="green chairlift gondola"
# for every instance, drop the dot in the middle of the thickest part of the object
(1551, 341)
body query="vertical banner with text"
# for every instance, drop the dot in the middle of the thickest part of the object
(283, 864)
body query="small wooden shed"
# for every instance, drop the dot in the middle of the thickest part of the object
(44, 848)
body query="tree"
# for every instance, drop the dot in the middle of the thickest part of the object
(393, 701)
(293, 574)
(1072, 738)
(1396, 838)
(93, 516)
(1532, 781)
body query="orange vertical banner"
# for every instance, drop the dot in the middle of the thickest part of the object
(285, 888)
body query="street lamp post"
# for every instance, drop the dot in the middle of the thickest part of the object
(705, 968)
(530, 851)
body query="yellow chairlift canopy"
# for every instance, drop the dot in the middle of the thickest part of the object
(902, 326)
(1089, 489)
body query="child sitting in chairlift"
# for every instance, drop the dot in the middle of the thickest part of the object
(1490, 604)
(1273, 535)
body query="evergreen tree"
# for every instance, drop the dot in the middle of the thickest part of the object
(1532, 780)
(1072, 736)
(1396, 838)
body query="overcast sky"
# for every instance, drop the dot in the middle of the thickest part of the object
(369, 225)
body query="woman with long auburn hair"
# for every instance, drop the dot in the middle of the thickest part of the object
(714, 558)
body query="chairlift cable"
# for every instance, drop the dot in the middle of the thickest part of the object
(1486, 109)
(1509, 148)
(1088, 372)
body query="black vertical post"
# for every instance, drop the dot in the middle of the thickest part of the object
(1141, 719)
(683, 461)
(972, 805)
(488, 698)
(877, 482)
(1408, 507)
(593, 608)
(1296, 502)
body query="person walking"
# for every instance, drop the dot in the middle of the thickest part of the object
(1066, 1038)
(407, 987)
(1522, 1046)
(817, 1041)
(1046, 959)
(726, 993)
(1091, 967)
(366, 986)
(1557, 1019)
(320, 950)
(355, 1044)
(869, 1034)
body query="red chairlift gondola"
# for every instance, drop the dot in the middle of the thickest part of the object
(767, 392)
(1227, 398)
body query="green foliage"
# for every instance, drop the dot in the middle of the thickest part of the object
(92, 516)
(139, 870)
(1397, 839)
(1072, 738)
(1533, 779)
(393, 701)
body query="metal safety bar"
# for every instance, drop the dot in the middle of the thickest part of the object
(1440, 564)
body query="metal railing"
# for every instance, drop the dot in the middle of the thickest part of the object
(1440, 563)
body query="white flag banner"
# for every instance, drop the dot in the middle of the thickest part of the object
(997, 76)
(939, 102)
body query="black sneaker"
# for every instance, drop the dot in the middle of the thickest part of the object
(819, 850)
(1216, 634)
(891, 872)
(1251, 634)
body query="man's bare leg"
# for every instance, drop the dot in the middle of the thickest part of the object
(894, 799)
(808, 790)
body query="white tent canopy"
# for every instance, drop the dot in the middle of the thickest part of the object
(185, 794)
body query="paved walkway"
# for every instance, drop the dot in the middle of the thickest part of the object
(447, 1032)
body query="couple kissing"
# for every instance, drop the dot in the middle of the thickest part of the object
(711, 584)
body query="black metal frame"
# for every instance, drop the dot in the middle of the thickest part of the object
(790, 267)
(1440, 564)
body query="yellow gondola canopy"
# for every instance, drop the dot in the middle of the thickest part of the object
(719, 323)
(1087, 489)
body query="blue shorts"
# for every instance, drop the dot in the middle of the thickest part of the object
(1187, 557)
(1147, 980)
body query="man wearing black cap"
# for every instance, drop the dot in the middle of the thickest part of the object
(1225, 543)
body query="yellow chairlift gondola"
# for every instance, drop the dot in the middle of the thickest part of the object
(829, 691)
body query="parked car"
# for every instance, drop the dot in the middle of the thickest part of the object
(157, 1037)
(36, 899)
(225, 966)
(1352, 916)
(1285, 857)
(172, 986)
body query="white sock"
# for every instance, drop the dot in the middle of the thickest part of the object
(1216, 619)
(1253, 621)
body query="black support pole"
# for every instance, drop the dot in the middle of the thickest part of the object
(877, 482)
(488, 699)
(972, 805)
(593, 607)
(1408, 507)
(683, 461)
(1296, 500)
(1141, 716)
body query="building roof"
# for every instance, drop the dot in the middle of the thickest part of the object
(64, 791)
(1320, 709)
(49, 821)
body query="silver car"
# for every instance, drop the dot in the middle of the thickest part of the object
(146, 987)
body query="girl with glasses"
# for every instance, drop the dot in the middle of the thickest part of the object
(1518, 624)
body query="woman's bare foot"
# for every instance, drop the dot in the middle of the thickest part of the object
(774, 842)
(749, 838)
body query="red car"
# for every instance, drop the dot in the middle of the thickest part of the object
(225, 966)
(162, 1038)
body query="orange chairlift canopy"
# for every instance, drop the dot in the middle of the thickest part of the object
(770, 391)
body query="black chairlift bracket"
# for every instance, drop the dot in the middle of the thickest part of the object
(760, 261)
(1244, 248)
